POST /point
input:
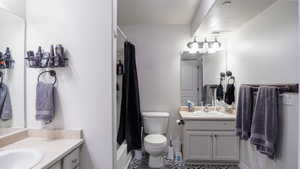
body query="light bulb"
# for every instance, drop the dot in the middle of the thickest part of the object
(194, 48)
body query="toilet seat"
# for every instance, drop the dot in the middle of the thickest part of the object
(155, 140)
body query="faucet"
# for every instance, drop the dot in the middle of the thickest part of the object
(206, 108)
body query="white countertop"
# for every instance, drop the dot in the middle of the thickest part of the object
(53, 149)
(206, 116)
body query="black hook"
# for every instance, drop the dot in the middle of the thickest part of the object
(51, 72)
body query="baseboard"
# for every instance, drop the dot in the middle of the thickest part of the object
(243, 166)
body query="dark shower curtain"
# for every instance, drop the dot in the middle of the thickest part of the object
(131, 120)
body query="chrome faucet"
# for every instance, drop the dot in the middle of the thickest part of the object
(206, 108)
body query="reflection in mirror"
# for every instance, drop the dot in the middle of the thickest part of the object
(12, 33)
(201, 76)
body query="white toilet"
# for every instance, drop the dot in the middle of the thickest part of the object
(155, 125)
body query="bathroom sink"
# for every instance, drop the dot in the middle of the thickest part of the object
(213, 113)
(19, 158)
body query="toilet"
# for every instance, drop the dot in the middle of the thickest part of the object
(155, 126)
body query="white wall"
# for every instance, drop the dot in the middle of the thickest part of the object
(264, 50)
(12, 33)
(213, 65)
(15, 6)
(84, 88)
(158, 50)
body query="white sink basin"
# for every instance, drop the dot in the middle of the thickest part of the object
(212, 113)
(19, 158)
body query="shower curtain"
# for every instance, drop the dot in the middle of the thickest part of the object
(131, 120)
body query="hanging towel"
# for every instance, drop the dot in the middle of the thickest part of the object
(244, 112)
(220, 92)
(131, 120)
(264, 128)
(5, 103)
(230, 94)
(209, 93)
(45, 106)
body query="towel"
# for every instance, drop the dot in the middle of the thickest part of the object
(5, 104)
(45, 106)
(244, 112)
(230, 94)
(264, 129)
(220, 92)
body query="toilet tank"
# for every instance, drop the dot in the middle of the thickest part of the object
(156, 122)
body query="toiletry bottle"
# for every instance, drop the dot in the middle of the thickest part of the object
(171, 151)
(30, 57)
(39, 56)
(7, 58)
(120, 68)
(2, 62)
(52, 57)
(60, 60)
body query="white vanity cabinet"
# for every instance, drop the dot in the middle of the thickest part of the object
(212, 141)
(70, 161)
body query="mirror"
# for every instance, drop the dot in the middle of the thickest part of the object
(12, 48)
(200, 77)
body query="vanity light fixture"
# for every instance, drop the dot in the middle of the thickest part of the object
(205, 46)
(194, 46)
(216, 44)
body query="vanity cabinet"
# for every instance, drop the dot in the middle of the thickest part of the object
(70, 161)
(212, 141)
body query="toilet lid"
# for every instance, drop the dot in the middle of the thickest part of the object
(155, 139)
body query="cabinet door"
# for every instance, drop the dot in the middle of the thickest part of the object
(197, 145)
(226, 146)
(71, 161)
(56, 166)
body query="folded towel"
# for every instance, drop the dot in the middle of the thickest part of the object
(5, 104)
(264, 129)
(244, 112)
(45, 106)
(230, 94)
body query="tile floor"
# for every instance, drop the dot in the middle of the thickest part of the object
(143, 164)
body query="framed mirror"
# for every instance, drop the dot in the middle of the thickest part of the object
(12, 49)
(200, 75)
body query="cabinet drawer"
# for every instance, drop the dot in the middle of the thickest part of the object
(71, 161)
(209, 125)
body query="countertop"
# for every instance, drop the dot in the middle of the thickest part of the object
(53, 149)
(206, 116)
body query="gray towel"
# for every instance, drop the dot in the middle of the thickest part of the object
(264, 128)
(244, 112)
(45, 106)
(5, 104)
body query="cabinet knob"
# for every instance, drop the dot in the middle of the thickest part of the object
(74, 161)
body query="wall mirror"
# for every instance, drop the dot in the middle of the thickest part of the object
(201, 74)
(12, 49)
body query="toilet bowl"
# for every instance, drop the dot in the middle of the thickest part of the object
(155, 145)
(156, 126)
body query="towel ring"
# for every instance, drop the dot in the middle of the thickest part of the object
(51, 72)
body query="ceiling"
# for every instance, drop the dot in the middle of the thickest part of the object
(132, 12)
(227, 18)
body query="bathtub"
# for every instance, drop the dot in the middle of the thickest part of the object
(123, 159)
